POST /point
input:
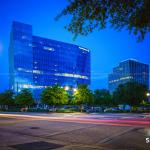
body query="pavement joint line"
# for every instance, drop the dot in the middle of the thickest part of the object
(89, 146)
(53, 134)
(82, 128)
(48, 136)
(66, 144)
(114, 136)
(37, 137)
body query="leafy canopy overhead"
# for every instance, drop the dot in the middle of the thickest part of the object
(88, 15)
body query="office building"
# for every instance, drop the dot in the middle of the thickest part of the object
(129, 71)
(36, 63)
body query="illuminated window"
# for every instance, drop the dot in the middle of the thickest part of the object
(120, 79)
(30, 45)
(71, 75)
(24, 70)
(37, 72)
(84, 49)
(24, 37)
(48, 48)
(66, 88)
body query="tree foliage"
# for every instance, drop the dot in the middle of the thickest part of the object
(83, 95)
(130, 93)
(54, 95)
(88, 15)
(103, 97)
(24, 98)
(6, 98)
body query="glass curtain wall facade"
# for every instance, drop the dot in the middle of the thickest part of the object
(128, 71)
(20, 57)
(37, 62)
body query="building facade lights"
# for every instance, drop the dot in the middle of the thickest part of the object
(71, 75)
(129, 71)
(45, 62)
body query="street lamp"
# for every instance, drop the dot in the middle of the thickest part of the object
(74, 89)
(148, 94)
(66, 88)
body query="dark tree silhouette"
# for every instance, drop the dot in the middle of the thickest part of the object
(6, 98)
(130, 93)
(103, 97)
(24, 98)
(88, 15)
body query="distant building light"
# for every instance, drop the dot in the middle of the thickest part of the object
(84, 49)
(24, 37)
(132, 59)
(24, 70)
(71, 75)
(37, 72)
(66, 88)
(48, 48)
(74, 89)
(148, 94)
(30, 45)
(29, 86)
(26, 86)
(120, 79)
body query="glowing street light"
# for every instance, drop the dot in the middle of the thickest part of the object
(148, 94)
(66, 88)
(74, 90)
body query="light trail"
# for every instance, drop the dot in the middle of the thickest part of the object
(114, 122)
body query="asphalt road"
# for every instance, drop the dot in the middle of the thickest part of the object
(36, 131)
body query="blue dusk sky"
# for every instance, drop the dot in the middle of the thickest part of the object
(108, 47)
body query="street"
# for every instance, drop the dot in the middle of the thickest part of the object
(74, 131)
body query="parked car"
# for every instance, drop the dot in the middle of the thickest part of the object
(94, 110)
(112, 109)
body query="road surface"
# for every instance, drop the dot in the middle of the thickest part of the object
(74, 131)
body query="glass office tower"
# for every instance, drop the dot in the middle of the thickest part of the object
(37, 62)
(129, 71)
(20, 57)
